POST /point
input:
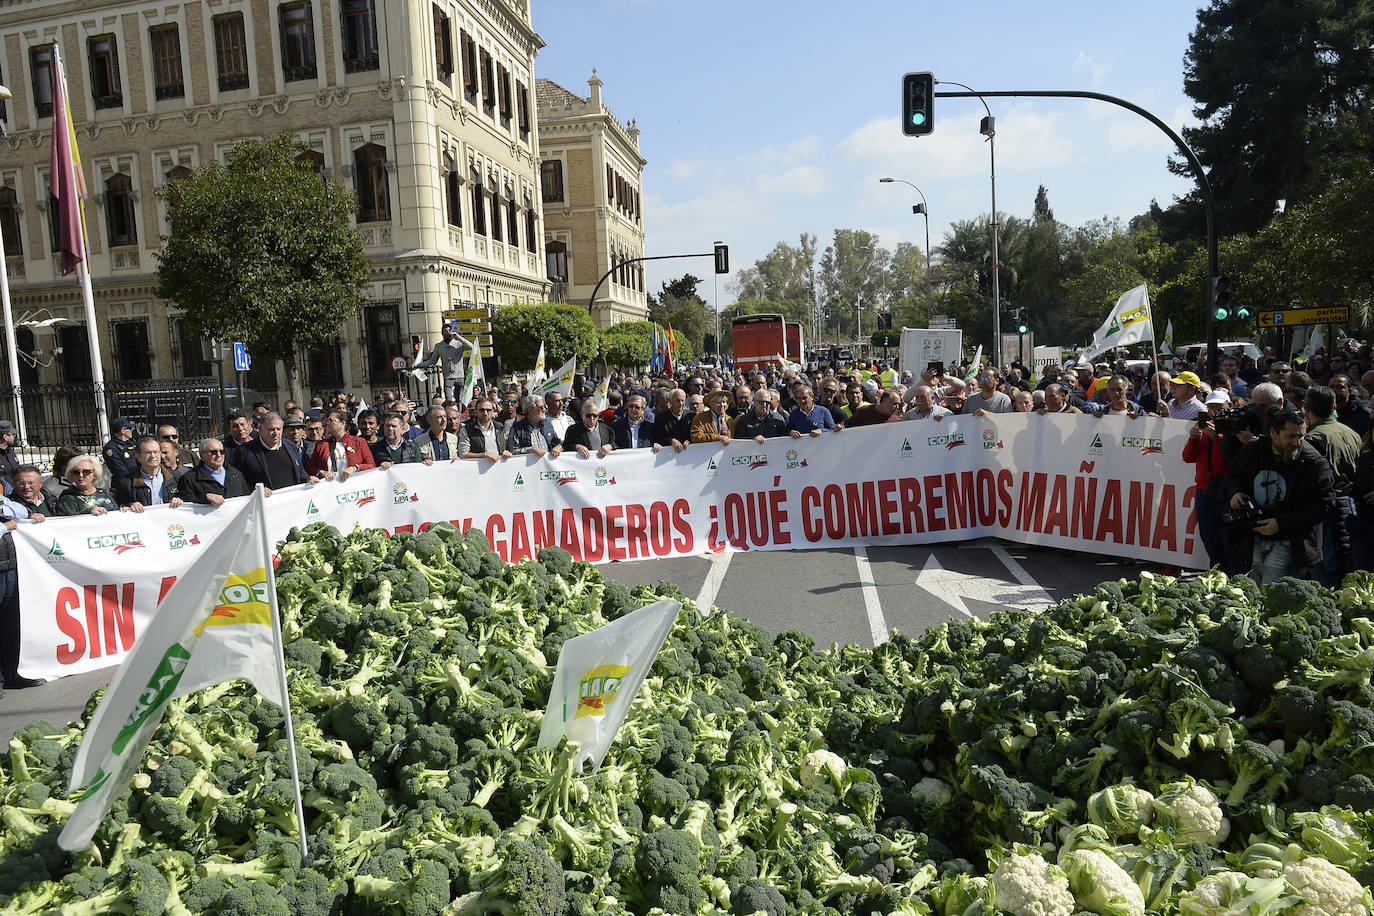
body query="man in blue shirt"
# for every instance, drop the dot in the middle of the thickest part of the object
(533, 432)
(808, 417)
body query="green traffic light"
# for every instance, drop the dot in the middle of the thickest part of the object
(1223, 313)
(918, 118)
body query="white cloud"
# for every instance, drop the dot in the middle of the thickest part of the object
(683, 169)
(1097, 71)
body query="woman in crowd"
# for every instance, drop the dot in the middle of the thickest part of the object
(83, 496)
(55, 485)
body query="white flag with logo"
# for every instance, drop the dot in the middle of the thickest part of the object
(598, 675)
(601, 396)
(540, 373)
(1129, 323)
(561, 381)
(1167, 344)
(215, 624)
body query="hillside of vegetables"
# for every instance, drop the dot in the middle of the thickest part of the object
(1164, 746)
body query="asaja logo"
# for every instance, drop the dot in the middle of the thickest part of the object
(1146, 445)
(598, 689)
(711, 467)
(750, 461)
(55, 553)
(906, 451)
(952, 440)
(358, 498)
(519, 485)
(122, 543)
(311, 509)
(176, 538)
(602, 478)
(562, 477)
(400, 494)
(990, 439)
(793, 460)
(1095, 447)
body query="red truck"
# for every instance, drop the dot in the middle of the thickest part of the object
(796, 344)
(760, 341)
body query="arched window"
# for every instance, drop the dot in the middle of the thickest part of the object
(369, 175)
(556, 261)
(119, 211)
(313, 160)
(9, 223)
(453, 191)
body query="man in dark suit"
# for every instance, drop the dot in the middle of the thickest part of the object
(271, 459)
(151, 483)
(634, 430)
(212, 481)
(674, 425)
(589, 434)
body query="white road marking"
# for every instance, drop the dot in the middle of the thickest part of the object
(877, 626)
(706, 598)
(952, 587)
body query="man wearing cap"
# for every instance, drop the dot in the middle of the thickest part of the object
(8, 461)
(1203, 451)
(715, 423)
(1184, 404)
(120, 452)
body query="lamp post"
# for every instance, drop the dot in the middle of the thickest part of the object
(988, 128)
(923, 209)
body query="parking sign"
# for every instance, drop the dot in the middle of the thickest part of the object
(242, 360)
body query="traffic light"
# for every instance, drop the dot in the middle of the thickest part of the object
(709, 344)
(722, 258)
(1225, 307)
(827, 314)
(918, 104)
(1022, 323)
(885, 321)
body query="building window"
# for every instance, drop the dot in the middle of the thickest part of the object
(231, 52)
(556, 261)
(529, 225)
(9, 223)
(610, 185)
(453, 193)
(324, 364)
(119, 211)
(469, 48)
(479, 207)
(382, 324)
(496, 215)
(166, 45)
(179, 173)
(104, 56)
(369, 174)
(512, 223)
(503, 88)
(443, 45)
(40, 63)
(312, 160)
(638, 214)
(522, 104)
(132, 350)
(76, 353)
(359, 36)
(54, 224)
(551, 180)
(297, 42)
(488, 83)
(193, 361)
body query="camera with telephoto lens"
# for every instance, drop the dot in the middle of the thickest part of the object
(1248, 515)
(1244, 419)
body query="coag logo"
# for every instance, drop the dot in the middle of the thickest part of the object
(122, 543)
(750, 461)
(1146, 445)
(176, 538)
(1095, 447)
(990, 439)
(952, 440)
(400, 494)
(598, 688)
(602, 478)
(793, 460)
(358, 498)
(561, 477)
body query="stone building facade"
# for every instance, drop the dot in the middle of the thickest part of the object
(590, 180)
(424, 107)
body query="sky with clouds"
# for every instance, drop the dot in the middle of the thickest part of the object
(762, 120)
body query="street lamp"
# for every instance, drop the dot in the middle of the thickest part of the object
(924, 210)
(988, 128)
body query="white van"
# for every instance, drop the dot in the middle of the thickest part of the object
(1192, 352)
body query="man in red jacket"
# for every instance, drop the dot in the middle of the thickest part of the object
(1203, 451)
(338, 452)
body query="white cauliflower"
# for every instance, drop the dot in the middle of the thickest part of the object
(1027, 885)
(1233, 892)
(1189, 811)
(933, 791)
(1100, 885)
(1122, 809)
(1328, 889)
(823, 768)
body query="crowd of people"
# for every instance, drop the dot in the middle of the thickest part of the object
(1283, 458)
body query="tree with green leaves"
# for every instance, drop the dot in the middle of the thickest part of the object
(679, 306)
(786, 272)
(263, 251)
(566, 331)
(627, 344)
(853, 276)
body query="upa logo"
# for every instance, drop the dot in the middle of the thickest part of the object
(177, 539)
(1147, 445)
(990, 439)
(598, 689)
(752, 462)
(906, 451)
(358, 498)
(1095, 447)
(950, 441)
(794, 461)
(602, 478)
(519, 485)
(400, 494)
(560, 477)
(122, 543)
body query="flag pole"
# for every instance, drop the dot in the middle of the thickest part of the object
(281, 665)
(11, 348)
(102, 421)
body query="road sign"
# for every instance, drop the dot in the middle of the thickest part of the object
(398, 363)
(1336, 314)
(242, 360)
(467, 314)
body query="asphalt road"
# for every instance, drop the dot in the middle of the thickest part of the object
(847, 596)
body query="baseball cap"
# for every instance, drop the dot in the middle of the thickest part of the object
(1187, 378)
(6, 427)
(122, 423)
(1218, 397)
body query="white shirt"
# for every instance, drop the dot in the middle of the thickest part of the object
(561, 424)
(935, 412)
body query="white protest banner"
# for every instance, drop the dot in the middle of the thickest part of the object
(599, 673)
(1111, 485)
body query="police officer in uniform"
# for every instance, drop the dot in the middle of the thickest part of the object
(121, 452)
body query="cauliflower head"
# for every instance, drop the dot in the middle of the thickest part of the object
(1122, 809)
(1328, 889)
(823, 768)
(1100, 885)
(1027, 885)
(1191, 812)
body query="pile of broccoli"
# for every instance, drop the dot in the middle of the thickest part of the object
(1156, 745)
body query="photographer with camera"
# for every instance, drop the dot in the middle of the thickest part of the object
(1279, 487)
(1203, 451)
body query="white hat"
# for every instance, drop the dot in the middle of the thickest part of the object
(1218, 397)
